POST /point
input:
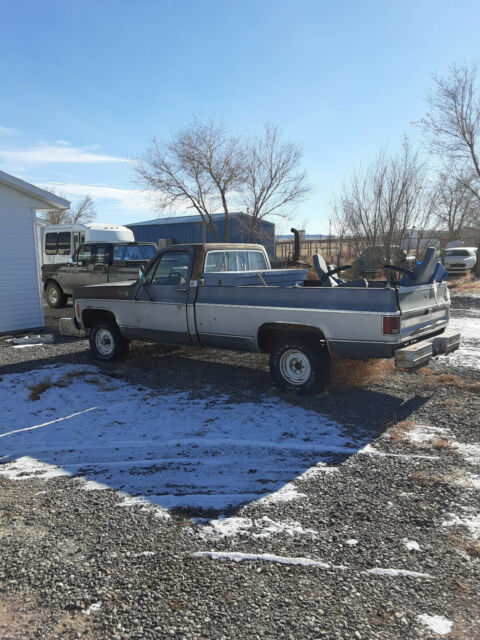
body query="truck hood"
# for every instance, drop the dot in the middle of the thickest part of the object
(111, 291)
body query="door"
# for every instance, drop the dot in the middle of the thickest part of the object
(78, 273)
(99, 265)
(160, 309)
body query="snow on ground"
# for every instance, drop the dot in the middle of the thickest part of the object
(256, 528)
(167, 449)
(438, 624)
(467, 321)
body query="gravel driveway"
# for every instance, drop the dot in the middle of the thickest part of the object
(355, 515)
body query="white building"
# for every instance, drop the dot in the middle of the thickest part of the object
(21, 304)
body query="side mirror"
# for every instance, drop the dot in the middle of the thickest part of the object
(70, 261)
(141, 274)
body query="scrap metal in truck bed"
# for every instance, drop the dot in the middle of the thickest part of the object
(226, 296)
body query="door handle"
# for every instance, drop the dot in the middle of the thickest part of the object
(181, 289)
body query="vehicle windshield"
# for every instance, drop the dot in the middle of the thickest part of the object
(133, 252)
(457, 252)
(237, 260)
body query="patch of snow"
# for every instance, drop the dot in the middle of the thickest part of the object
(411, 544)
(169, 448)
(370, 450)
(425, 433)
(403, 573)
(438, 624)
(352, 542)
(257, 528)
(91, 485)
(144, 553)
(468, 354)
(471, 523)
(265, 557)
(95, 606)
(26, 468)
(285, 494)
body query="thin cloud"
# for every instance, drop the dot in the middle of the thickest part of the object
(59, 153)
(128, 199)
(8, 131)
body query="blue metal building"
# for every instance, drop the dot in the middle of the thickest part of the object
(185, 229)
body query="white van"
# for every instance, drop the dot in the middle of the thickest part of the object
(58, 242)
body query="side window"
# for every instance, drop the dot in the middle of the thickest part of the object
(101, 254)
(84, 256)
(51, 240)
(82, 238)
(215, 261)
(172, 268)
(64, 243)
(256, 261)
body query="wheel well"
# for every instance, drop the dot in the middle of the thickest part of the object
(48, 281)
(90, 316)
(268, 334)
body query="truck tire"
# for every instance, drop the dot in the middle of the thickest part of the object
(55, 296)
(106, 342)
(299, 365)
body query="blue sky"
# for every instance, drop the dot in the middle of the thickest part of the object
(86, 84)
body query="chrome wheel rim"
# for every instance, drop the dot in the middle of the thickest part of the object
(295, 367)
(53, 295)
(104, 342)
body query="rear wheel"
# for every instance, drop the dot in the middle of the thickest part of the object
(55, 296)
(106, 342)
(299, 365)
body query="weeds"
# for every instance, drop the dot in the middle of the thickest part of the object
(36, 390)
(436, 379)
(357, 373)
(471, 547)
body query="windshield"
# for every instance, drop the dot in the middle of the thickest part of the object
(457, 252)
(133, 252)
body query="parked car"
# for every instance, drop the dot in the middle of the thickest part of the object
(94, 263)
(460, 259)
(226, 296)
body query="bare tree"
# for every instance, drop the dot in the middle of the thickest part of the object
(456, 205)
(204, 168)
(452, 128)
(273, 178)
(383, 204)
(452, 125)
(83, 211)
(200, 167)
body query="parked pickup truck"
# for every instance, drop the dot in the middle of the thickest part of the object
(226, 296)
(94, 263)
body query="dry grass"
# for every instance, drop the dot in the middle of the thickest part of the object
(436, 379)
(472, 547)
(422, 478)
(468, 284)
(36, 390)
(358, 373)
(398, 430)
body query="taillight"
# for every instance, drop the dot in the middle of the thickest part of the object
(391, 324)
(77, 311)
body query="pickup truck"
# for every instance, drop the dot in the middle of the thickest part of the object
(226, 296)
(94, 263)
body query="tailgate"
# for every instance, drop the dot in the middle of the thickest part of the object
(424, 309)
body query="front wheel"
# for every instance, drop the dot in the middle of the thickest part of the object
(106, 342)
(299, 365)
(55, 296)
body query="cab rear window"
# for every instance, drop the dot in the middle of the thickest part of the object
(235, 260)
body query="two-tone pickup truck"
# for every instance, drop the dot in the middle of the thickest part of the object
(226, 296)
(94, 263)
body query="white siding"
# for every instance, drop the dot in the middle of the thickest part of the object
(21, 306)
